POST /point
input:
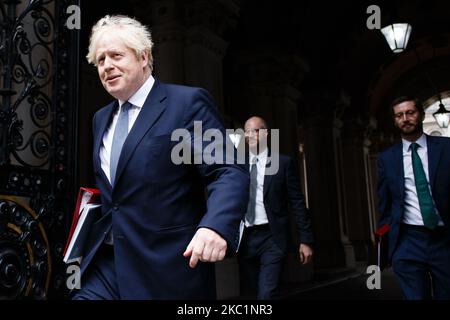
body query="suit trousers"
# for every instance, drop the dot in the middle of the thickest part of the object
(421, 262)
(260, 260)
(99, 281)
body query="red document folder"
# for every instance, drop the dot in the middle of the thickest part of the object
(85, 196)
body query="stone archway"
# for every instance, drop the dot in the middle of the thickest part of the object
(421, 71)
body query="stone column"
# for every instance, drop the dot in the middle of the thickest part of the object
(165, 19)
(355, 189)
(324, 186)
(189, 48)
(344, 202)
(370, 165)
(371, 149)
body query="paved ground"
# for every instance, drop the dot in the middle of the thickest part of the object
(348, 286)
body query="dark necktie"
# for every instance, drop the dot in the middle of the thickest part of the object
(120, 134)
(251, 209)
(430, 219)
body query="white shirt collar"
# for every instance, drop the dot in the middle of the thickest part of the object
(422, 142)
(260, 156)
(139, 97)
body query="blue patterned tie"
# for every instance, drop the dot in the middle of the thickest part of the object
(430, 219)
(120, 134)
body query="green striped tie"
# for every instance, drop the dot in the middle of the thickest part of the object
(430, 219)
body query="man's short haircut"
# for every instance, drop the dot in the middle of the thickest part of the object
(264, 122)
(134, 35)
(401, 99)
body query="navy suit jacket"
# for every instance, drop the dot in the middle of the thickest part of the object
(155, 206)
(391, 185)
(282, 192)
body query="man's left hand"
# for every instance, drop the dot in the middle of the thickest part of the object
(306, 253)
(206, 246)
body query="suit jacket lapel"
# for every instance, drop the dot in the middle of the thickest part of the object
(149, 114)
(434, 154)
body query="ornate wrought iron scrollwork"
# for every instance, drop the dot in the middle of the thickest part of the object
(38, 65)
(25, 262)
(31, 40)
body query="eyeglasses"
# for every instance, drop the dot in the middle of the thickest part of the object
(407, 114)
(249, 132)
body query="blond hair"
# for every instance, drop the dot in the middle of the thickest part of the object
(134, 35)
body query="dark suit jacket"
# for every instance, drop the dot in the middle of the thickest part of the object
(156, 207)
(391, 184)
(282, 192)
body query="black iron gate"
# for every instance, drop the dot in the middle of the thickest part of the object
(38, 117)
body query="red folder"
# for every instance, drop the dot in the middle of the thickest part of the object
(381, 236)
(85, 196)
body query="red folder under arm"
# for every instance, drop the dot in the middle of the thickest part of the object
(92, 196)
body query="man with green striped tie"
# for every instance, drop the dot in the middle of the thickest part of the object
(413, 192)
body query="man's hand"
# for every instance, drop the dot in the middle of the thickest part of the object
(306, 253)
(206, 246)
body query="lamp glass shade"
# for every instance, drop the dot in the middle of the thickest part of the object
(397, 36)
